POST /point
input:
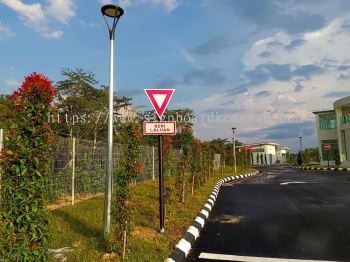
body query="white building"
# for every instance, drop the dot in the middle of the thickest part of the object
(333, 127)
(268, 153)
(281, 155)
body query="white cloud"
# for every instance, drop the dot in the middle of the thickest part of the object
(89, 24)
(12, 83)
(32, 13)
(61, 10)
(331, 43)
(327, 48)
(169, 5)
(53, 34)
(40, 18)
(5, 32)
(287, 100)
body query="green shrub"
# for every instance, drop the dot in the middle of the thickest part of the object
(26, 164)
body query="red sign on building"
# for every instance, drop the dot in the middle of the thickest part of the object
(249, 148)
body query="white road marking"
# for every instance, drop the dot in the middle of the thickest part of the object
(252, 259)
(293, 182)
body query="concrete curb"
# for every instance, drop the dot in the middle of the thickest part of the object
(323, 168)
(183, 247)
(261, 165)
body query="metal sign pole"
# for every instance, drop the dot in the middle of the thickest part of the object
(161, 184)
(160, 128)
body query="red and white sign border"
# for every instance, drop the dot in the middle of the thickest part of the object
(160, 133)
(154, 103)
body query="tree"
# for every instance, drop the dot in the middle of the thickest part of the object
(195, 161)
(299, 160)
(337, 157)
(218, 145)
(7, 111)
(184, 139)
(83, 106)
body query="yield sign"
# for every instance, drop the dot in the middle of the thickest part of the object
(160, 99)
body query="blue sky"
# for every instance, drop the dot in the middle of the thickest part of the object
(260, 65)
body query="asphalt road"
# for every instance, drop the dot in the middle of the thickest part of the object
(285, 214)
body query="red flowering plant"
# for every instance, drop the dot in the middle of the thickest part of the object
(184, 139)
(25, 161)
(129, 169)
(195, 162)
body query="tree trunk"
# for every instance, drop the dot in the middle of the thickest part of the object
(95, 140)
(192, 187)
(208, 171)
(124, 245)
(183, 191)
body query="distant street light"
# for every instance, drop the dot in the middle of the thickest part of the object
(234, 150)
(301, 150)
(114, 12)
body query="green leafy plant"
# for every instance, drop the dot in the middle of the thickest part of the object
(195, 162)
(168, 155)
(184, 140)
(129, 169)
(26, 164)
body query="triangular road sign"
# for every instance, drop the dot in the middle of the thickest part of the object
(160, 99)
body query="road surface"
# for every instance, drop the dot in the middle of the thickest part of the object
(285, 214)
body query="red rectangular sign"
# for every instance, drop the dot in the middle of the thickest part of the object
(159, 128)
(327, 147)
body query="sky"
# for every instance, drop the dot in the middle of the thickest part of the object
(262, 66)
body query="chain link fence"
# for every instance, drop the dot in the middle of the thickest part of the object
(78, 168)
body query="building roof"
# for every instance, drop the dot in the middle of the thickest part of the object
(323, 112)
(259, 144)
(342, 102)
(265, 143)
(283, 148)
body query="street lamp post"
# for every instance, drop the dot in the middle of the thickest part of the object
(114, 12)
(301, 150)
(234, 150)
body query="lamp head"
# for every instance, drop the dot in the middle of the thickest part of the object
(113, 11)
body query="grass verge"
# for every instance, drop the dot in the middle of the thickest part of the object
(81, 226)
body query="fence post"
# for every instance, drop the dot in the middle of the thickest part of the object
(153, 176)
(73, 170)
(1, 146)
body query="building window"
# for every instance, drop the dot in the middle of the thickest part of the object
(334, 148)
(346, 119)
(328, 122)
